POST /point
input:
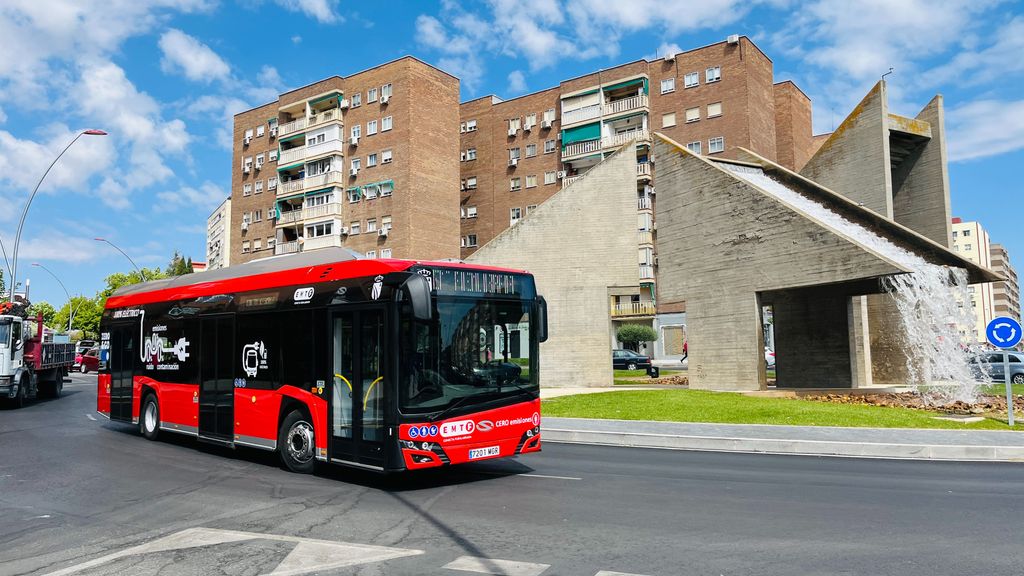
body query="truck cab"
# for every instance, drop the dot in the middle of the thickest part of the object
(12, 357)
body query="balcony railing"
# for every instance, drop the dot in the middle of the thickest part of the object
(570, 179)
(626, 104)
(633, 309)
(290, 128)
(613, 141)
(581, 114)
(286, 248)
(645, 237)
(595, 111)
(321, 242)
(303, 152)
(646, 272)
(643, 169)
(311, 182)
(310, 212)
(300, 124)
(643, 203)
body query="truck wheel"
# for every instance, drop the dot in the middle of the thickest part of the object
(149, 423)
(53, 389)
(295, 443)
(19, 400)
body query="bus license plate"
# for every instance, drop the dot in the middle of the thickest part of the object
(483, 452)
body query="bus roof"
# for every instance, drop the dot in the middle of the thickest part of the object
(321, 265)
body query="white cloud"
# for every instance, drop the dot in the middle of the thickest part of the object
(323, 11)
(53, 245)
(516, 82)
(985, 128)
(666, 49)
(185, 54)
(296, 39)
(202, 200)
(973, 66)
(23, 161)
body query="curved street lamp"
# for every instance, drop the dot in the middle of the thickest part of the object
(24, 213)
(141, 273)
(71, 304)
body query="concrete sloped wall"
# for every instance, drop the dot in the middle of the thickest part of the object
(577, 244)
(921, 197)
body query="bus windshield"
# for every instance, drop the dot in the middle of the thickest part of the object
(5, 332)
(474, 347)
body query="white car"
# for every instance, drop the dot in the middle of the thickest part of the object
(769, 357)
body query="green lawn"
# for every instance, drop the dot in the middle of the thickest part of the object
(999, 389)
(731, 408)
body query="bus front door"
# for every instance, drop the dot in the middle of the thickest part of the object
(358, 387)
(216, 382)
(122, 352)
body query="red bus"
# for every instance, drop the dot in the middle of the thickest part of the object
(383, 364)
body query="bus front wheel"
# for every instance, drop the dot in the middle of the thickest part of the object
(295, 442)
(149, 423)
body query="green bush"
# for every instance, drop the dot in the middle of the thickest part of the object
(632, 334)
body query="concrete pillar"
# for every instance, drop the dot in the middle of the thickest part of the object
(860, 343)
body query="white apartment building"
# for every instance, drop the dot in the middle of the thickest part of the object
(218, 226)
(971, 241)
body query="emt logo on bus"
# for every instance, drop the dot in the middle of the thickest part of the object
(457, 428)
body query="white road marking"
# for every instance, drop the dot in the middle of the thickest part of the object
(309, 554)
(497, 567)
(90, 417)
(607, 573)
(550, 477)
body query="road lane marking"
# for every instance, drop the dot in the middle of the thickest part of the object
(549, 477)
(309, 554)
(90, 417)
(608, 573)
(496, 567)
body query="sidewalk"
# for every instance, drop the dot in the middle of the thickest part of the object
(918, 444)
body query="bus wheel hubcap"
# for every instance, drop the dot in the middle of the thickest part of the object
(150, 417)
(300, 441)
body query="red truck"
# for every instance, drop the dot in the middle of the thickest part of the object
(29, 367)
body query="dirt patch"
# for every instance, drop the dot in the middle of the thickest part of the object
(985, 404)
(670, 380)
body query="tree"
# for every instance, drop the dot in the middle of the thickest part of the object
(48, 312)
(179, 265)
(88, 312)
(632, 334)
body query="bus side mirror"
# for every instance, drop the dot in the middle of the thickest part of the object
(542, 319)
(418, 289)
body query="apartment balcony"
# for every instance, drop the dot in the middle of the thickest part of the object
(643, 170)
(646, 272)
(570, 179)
(606, 143)
(301, 124)
(321, 242)
(286, 248)
(633, 309)
(336, 177)
(608, 110)
(310, 212)
(643, 203)
(302, 153)
(645, 237)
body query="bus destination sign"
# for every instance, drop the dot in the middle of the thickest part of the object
(453, 281)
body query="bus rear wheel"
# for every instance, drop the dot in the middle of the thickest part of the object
(296, 443)
(149, 422)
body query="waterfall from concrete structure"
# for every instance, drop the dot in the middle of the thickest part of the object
(930, 300)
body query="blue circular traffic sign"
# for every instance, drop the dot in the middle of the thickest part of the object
(1003, 332)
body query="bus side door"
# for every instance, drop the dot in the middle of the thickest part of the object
(357, 409)
(216, 379)
(123, 352)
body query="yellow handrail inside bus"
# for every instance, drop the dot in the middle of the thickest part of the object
(345, 380)
(370, 389)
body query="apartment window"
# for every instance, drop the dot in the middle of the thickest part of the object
(974, 304)
(273, 155)
(357, 130)
(513, 153)
(385, 124)
(370, 192)
(353, 229)
(385, 223)
(967, 233)
(385, 156)
(531, 208)
(319, 229)
(531, 150)
(471, 154)
(318, 139)
(385, 253)
(371, 160)
(668, 85)
(716, 145)
(257, 245)
(514, 216)
(385, 91)
(257, 216)
(470, 125)
(371, 225)
(469, 241)
(248, 136)
(247, 164)
(692, 115)
(954, 233)
(549, 177)
(691, 79)
(245, 247)
(470, 211)
(668, 120)
(713, 74)
(318, 167)
(515, 184)
(272, 183)
(318, 200)
(549, 146)
(260, 130)
(530, 122)
(270, 242)
(967, 247)
(357, 100)
(694, 147)
(549, 115)
(354, 195)
(531, 181)
(371, 127)
(371, 253)
(260, 158)
(514, 124)
(356, 164)
(371, 95)
(386, 188)
(471, 183)
(714, 109)
(258, 189)
(246, 189)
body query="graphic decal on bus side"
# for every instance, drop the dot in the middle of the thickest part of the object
(378, 284)
(429, 275)
(153, 348)
(254, 358)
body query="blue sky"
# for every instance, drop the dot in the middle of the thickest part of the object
(165, 76)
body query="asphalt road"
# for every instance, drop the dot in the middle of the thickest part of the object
(80, 495)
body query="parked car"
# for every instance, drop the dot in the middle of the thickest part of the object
(84, 345)
(629, 360)
(769, 357)
(89, 361)
(991, 363)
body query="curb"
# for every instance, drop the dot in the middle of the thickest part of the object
(946, 452)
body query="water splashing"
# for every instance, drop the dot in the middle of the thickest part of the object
(929, 300)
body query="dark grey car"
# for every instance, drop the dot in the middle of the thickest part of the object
(991, 363)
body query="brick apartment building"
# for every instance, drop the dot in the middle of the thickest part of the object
(329, 164)
(368, 162)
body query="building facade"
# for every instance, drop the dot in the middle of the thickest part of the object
(367, 162)
(971, 241)
(1006, 294)
(218, 228)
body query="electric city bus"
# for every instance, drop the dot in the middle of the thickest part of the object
(381, 364)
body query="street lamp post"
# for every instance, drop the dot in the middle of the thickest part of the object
(71, 304)
(141, 273)
(24, 213)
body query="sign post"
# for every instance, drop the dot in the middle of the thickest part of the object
(1004, 332)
